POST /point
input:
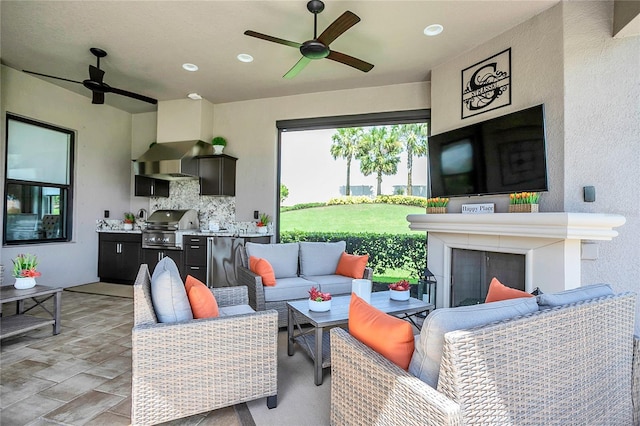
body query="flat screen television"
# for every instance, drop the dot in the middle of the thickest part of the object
(502, 155)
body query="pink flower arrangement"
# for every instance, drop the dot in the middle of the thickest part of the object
(402, 285)
(24, 266)
(318, 296)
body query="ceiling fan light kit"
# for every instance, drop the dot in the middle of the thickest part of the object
(96, 85)
(318, 47)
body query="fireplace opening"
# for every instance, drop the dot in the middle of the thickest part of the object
(472, 271)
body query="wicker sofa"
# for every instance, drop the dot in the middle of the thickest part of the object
(576, 364)
(184, 368)
(297, 268)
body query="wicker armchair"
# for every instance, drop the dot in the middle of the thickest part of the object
(571, 365)
(186, 368)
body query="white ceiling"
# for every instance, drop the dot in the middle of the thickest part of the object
(148, 41)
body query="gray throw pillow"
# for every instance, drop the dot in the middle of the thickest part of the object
(425, 362)
(548, 300)
(318, 258)
(168, 295)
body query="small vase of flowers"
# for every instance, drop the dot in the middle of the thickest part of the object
(437, 205)
(129, 220)
(319, 301)
(399, 290)
(262, 224)
(24, 271)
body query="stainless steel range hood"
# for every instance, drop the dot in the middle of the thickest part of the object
(172, 160)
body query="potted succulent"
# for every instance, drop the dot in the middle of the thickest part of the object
(129, 220)
(24, 271)
(218, 144)
(262, 224)
(319, 301)
(399, 290)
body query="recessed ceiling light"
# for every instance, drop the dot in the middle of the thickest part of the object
(433, 29)
(245, 57)
(190, 67)
(194, 96)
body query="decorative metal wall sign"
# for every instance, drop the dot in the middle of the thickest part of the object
(487, 84)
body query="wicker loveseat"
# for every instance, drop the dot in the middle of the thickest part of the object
(571, 365)
(297, 267)
(184, 368)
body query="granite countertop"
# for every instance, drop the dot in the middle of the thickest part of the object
(224, 234)
(120, 231)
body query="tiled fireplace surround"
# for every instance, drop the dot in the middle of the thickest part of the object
(554, 244)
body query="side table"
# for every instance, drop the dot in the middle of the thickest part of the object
(21, 322)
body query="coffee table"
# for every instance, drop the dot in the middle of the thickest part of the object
(20, 323)
(315, 341)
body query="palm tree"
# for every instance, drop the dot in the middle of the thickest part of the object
(414, 139)
(379, 152)
(345, 145)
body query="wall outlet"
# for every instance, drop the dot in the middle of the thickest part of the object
(106, 214)
(255, 214)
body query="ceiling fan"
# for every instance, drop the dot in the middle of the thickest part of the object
(318, 47)
(95, 83)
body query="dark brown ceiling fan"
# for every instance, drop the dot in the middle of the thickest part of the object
(95, 83)
(318, 47)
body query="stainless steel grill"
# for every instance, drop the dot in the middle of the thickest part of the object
(165, 228)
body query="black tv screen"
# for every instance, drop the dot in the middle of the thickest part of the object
(502, 155)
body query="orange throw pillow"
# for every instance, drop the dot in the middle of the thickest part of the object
(352, 265)
(498, 291)
(391, 337)
(203, 302)
(262, 267)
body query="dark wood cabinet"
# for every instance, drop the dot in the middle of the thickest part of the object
(151, 187)
(152, 256)
(217, 174)
(119, 257)
(195, 257)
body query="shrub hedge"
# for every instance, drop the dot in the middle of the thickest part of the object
(386, 251)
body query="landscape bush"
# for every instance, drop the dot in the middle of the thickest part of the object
(386, 251)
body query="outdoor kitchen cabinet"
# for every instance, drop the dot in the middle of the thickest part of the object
(151, 187)
(195, 257)
(217, 174)
(152, 256)
(118, 257)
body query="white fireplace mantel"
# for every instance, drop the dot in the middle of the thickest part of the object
(550, 242)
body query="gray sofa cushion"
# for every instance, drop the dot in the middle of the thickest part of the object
(546, 300)
(288, 289)
(282, 257)
(227, 311)
(170, 301)
(320, 258)
(425, 362)
(334, 284)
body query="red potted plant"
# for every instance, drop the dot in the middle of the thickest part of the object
(399, 290)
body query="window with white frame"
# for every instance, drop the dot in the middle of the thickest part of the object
(38, 182)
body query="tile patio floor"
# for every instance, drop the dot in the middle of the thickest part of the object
(81, 376)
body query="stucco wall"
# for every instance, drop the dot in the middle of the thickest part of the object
(602, 136)
(567, 59)
(102, 176)
(250, 129)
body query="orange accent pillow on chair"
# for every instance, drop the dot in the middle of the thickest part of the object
(391, 337)
(262, 267)
(352, 265)
(203, 302)
(498, 291)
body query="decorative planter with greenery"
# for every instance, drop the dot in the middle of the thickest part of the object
(24, 271)
(319, 301)
(437, 205)
(524, 202)
(218, 144)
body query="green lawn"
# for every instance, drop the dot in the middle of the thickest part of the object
(382, 218)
